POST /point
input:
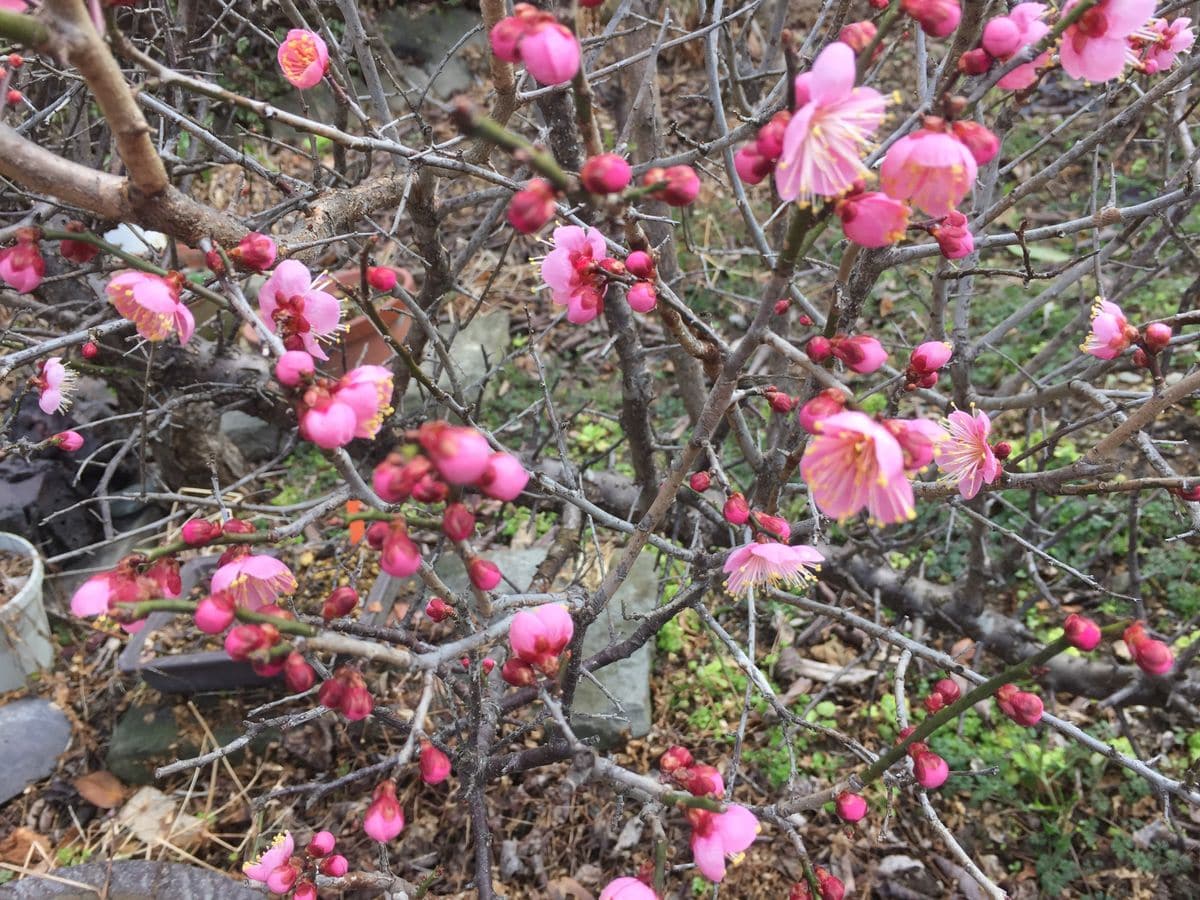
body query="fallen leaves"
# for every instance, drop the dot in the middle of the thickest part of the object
(102, 789)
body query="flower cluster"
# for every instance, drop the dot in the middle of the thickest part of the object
(1112, 334)
(134, 579)
(285, 872)
(548, 49)
(538, 638)
(944, 692)
(861, 353)
(296, 308)
(926, 361)
(333, 413)
(829, 887)
(929, 769)
(347, 692)
(1022, 707)
(575, 272)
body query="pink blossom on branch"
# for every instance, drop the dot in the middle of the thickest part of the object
(771, 563)
(627, 888)
(571, 271)
(930, 168)
(152, 304)
(384, 819)
(966, 455)
(22, 266)
(303, 58)
(294, 308)
(1006, 36)
(254, 580)
(938, 18)
(872, 218)
(1170, 39)
(717, 836)
(824, 141)
(55, 384)
(853, 463)
(1096, 48)
(539, 636)
(1111, 332)
(67, 441)
(276, 855)
(953, 236)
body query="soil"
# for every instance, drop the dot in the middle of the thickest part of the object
(14, 573)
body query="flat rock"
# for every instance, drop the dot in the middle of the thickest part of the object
(423, 35)
(132, 879)
(32, 735)
(517, 566)
(144, 737)
(474, 351)
(258, 440)
(626, 681)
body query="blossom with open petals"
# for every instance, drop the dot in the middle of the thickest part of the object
(965, 454)
(54, 383)
(254, 580)
(1006, 36)
(152, 304)
(930, 168)
(571, 271)
(852, 463)
(272, 858)
(539, 636)
(823, 144)
(917, 439)
(627, 888)
(1111, 332)
(716, 836)
(872, 218)
(1170, 39)
(770, 563)
(293, 307)
(1096, 47)
(303, 58)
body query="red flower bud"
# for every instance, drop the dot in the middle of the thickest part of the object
(518, 673)
(531, 207)
(850, 807)
(780, 402)
(606, 173)
(1157, 336)
(1081, 633)
(975, 62)
(819, 349)
(930, 770)
(640, 264)
(435, 765)
(737, 510)
(382, 278)
(297, 673)
(90, 350)
(948, 689)
(675, 758)
(457, 522)
(700, 482)
(198, 532)
(237, 526)
(483, 573)
(782, 306)
(438, 609)
(340, 602)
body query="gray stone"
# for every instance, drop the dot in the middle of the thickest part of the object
(132, 879)
(475, 350)
(257, 440)
(32, 735)
(144, 737)
(517, 566)
(626, 681)
(423, 35)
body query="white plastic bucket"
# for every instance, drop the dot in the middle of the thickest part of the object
(24, 631)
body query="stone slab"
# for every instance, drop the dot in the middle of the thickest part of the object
(33, 733)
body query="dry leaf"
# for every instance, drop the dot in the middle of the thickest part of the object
(153, 818)
(24, 847)
(102, 789)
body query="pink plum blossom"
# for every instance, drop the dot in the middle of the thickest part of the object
(532, 206)
(1006, 36)
(67, 441)
(434, 764)
(571, 269)
(293, 367)
(917, 439)
(272, 858)
(296, 309)
(303, 58)
(930, 356)
(255, 251)
(853, 462)
(930, 168)
(22, 266)
(716, 836)
(215, 612)
(828, 402)
(54, 382)
(1096, 47)
(770, 563)
(1170, 39)
(384, 819)
(550, 52)
(367, 390)
(1111, 332)
(823, 144)
(954, 236)
(539, 636)
(979, 139)
(627, 888)
(254, 580)
(861, 353)
(152, 304)
(460, 454)
(938, 18)
(965, 454)
(872, 218)
(504, 478)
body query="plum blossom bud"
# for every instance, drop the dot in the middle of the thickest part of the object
(751, 166)
(947, 689)
(700, 482)
(930, 770)
(243, 640)
(438, 609)
(457, 522)
(1156, 336)
(861, 353)
(80, 252)
(828, 403)
(377, 533)
(780, 402)
(701, 780)
(215, 612)
(933, 703)
(213, 260)
(399, 557)
(340, 602)
(532, 206)
(782, 306)
(297, 673)
(983, 144)
(89, 350)
(938, 18)
(357, 704)
(769, 142)
(1140, 358)
(15, 60)
(829, 886)
(930, 356)
(953, 236)
(736, 510)
(67, 441)
(22, 265)
(606, 173)
(504, 478)
(487, 664)
(642, 297)
(237, 526)
(293, 367)
(773, 525)
(335, 866)
(819, 349)
(872, 218)
(550, 52)
(483, 573)
(283, 877)
(1001, 37)
(505, 38)
(858, 35)
(435, 765)
(255, 251)
(382, 278)
(640, 264)
(682, 184)
(1027, 708)
(1152, 656)
(974, 62)
(321, 845)
(1002, 449)
(850, 807)
(1081, 632)
(460, 454)
(384, 819)
(676, 758)
(518, 673)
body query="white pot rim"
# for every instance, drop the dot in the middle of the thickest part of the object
(14, 543)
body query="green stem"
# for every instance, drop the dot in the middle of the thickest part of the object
(258, 537)
(540, 160)
(138, 611)
(969, 699)
(23, 29)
